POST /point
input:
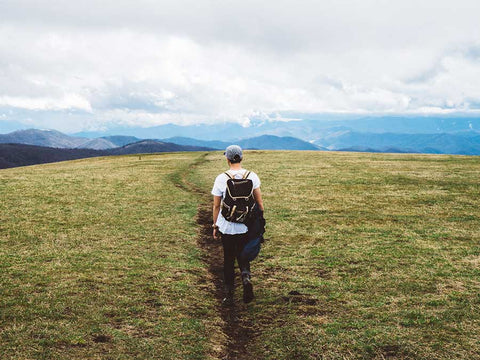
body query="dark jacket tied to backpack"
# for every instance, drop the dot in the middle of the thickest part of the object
(256, 229)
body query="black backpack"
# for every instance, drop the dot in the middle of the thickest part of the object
(238, 202)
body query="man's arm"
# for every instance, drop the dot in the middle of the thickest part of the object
(257, 194)
(216, 209)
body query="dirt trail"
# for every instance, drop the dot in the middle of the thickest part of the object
(237, 329)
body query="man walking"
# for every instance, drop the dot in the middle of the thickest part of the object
(233, 231)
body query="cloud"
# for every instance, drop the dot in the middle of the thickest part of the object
(81, 65)
(69, 101)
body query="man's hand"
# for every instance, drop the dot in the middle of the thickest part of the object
(217, 200)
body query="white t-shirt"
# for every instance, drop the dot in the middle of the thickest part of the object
(219, 188)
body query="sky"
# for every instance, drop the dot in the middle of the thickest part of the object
(93, 65)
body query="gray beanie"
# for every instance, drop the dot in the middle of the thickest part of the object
(234, 153)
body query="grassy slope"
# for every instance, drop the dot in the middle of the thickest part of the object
(384, 249)
(98, 259)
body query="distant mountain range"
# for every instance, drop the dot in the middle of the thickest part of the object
(465, 143)
(27, 147)
(56, 139)
(153, 146)
(310, 128)
(339, 138)
(52, 138)
(120, 140)
(264, 142)
(12, 155)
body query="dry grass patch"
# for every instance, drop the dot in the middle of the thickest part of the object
(99, 260)
(374, 246)
(368, 256)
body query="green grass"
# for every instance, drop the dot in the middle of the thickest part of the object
(98, 258)
(383, 248)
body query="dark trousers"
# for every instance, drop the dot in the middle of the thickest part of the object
(232, 248)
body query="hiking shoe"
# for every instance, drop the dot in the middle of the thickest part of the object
(247, 289)
(228, 299)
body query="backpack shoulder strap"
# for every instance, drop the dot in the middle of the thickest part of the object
(245, 175)
(229, 176)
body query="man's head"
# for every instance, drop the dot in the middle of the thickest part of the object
(234, 154)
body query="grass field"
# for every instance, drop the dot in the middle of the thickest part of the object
(368, 256)
(98, 259)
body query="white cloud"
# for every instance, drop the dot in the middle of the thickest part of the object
(147, 63)
(67, 102)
